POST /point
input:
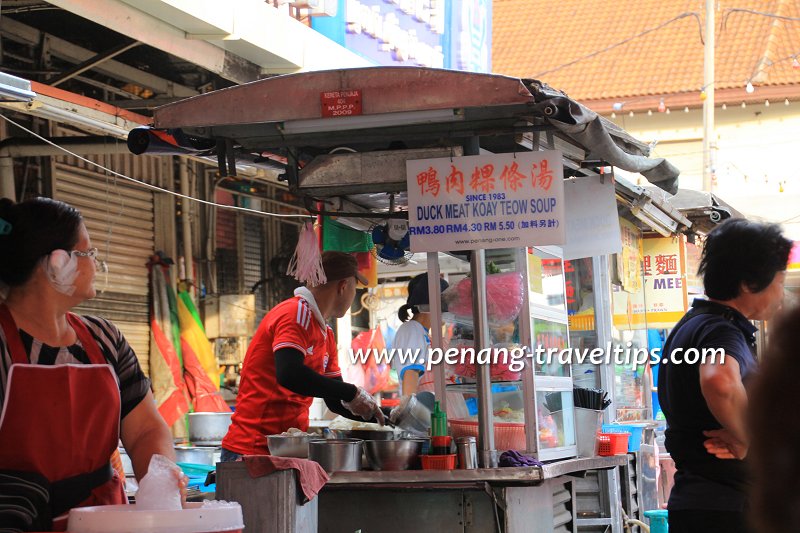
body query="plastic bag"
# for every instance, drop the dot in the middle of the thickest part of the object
(504, 297)
(377, 376)
(499, 370)
(159, 489)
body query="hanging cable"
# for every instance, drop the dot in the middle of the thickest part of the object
(732, 10)
(625, 41)
(149, 186)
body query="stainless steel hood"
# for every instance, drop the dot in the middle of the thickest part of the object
(399, 113)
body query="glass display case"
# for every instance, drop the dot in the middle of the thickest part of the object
(530, 389)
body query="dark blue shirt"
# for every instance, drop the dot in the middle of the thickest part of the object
(702, 481)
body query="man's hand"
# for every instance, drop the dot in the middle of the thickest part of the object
(364, 406)
(722, 444)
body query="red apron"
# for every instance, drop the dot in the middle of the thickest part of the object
(62, 422)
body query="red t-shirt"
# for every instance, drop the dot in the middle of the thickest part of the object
(263, 407)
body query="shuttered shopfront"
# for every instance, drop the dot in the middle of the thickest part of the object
(120, 220)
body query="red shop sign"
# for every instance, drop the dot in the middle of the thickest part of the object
(344, 103)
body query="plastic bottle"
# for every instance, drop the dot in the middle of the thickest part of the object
(438, 421)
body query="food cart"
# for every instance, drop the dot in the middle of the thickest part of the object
(347, 141)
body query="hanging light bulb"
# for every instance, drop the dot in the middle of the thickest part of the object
(766, 103)
(617, 106)
(749, 88)
(744, 105)
(649, 112)
(703, 94)
(686, 109)
(667, 111)
(786, 102)
(724, 107)
(613, 115)
(662, 106)
(630, 114)
(795, 63)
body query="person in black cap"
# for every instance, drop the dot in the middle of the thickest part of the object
(412, 336)
(292, 359)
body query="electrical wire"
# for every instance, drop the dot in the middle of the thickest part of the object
(625, 41)
(728, 12)
(771, 64)
(732, 10)
(154, 187)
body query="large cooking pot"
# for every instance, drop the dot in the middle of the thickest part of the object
(208, 429)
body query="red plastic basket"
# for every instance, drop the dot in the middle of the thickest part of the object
(438, 462)
(612, 443)
(507, 435)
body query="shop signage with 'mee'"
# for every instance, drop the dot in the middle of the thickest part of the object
(345, 103)
(486, 201)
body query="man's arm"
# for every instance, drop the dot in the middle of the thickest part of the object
(726, 397)
(298, 378)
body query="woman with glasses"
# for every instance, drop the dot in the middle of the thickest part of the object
(70, 385)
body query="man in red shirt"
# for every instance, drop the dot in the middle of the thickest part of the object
(292, 359)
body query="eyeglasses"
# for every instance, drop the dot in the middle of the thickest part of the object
(91, 252)
(100, 266)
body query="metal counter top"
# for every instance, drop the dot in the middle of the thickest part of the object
(456, 478)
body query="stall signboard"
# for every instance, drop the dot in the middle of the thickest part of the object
(663, 269)
(629, 261)
(486, 201)
(592, 224)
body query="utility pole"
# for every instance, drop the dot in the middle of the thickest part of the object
(709, 142)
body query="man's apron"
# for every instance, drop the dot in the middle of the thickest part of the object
(58, 428)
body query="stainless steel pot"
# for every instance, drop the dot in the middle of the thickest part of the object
(199, 455)
(336, 455)
(208, 429)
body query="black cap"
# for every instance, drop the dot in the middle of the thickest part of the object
(418, 292)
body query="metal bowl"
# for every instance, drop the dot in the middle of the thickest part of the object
(199, 455)
(208, 429)
(400, 454)
(367, 434)
(289, 445)
(336, 455)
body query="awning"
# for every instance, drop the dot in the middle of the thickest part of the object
(704, 209)
(651, 206)
(15, 89)
(86, 113)
(283, 117)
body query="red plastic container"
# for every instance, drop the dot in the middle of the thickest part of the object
(612, 443)
(443, 441)
(507, 435)
(438, 462)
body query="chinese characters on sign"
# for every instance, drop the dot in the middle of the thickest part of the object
(341, 103)
(664, 281)
(486, 201)
(630, 259)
